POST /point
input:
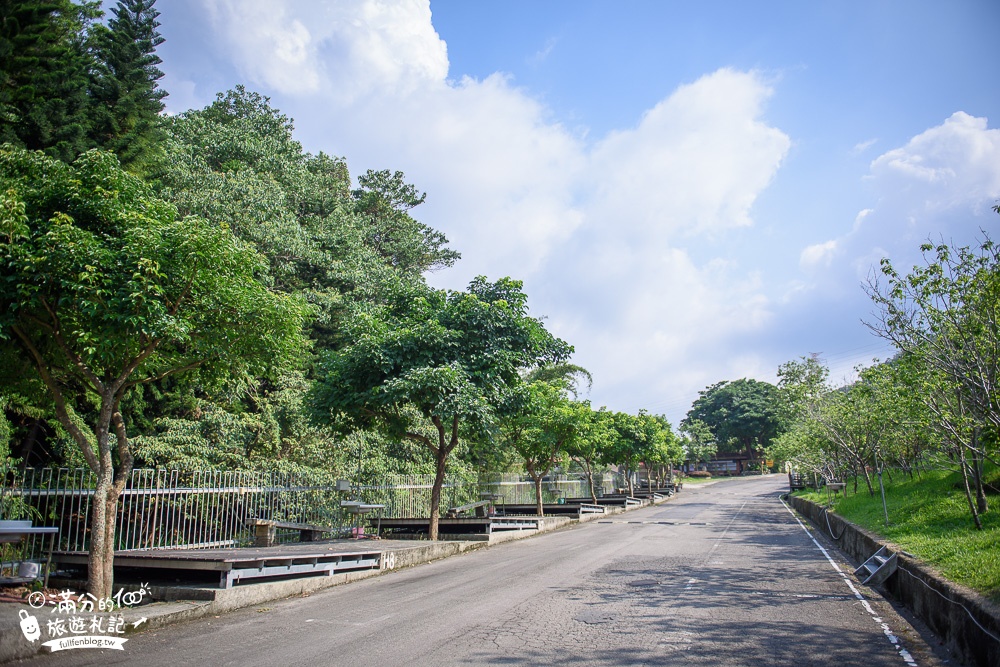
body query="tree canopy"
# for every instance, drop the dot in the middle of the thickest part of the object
(746, 414)
(125, 97)
(44, 69)
(545, 429)
(431, 365)
(103, 289)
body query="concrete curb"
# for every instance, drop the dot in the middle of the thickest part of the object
(968, 623)
(178, 605)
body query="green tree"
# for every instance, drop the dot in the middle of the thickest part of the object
(861, 421)
(103, 289)
(126, 100)
(802, 382)
(383, 201)
(432, 366)
(595, 440)
(662, 448)
(237, 162)
(44, 66)
(744, 413)
(803, 444)
(544, 429)
(635, 438)
(946, 313)
(698, 441)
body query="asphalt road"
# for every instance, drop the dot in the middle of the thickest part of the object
(720, 575)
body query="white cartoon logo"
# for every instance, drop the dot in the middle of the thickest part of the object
(81, 621)
(29, 626)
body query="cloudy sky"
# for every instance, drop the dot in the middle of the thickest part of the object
(691, 192)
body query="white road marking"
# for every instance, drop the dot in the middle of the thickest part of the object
(893, 639)
(719, 539)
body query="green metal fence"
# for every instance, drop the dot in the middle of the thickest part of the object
(212, 509)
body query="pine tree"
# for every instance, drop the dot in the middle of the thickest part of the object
(44, 65)
(126, 97)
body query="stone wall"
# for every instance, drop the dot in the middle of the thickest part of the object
(968, 623)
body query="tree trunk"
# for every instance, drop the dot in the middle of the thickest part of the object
(538, 495)
(968, 492)
(629, 474)
(100, 560)
(977, 473)
(442, 460)
(590, 479)
(28, 444)
(868, 481)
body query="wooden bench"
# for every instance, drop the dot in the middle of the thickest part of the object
(481, 507)
(266, 530)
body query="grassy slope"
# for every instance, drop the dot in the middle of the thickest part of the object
(930, 518)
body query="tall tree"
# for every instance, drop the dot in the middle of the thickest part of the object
(126, 99)
(662, 448)
(432, 366)
(744, 413)
(698, 441)
(946, 313)
(44, 67)
(594, 441)
(544, 429)
(860, 420)
(237, 162)
(383, 201)
(103, 289)
(634, 439)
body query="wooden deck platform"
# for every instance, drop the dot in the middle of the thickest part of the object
(235, 566)
(457, 525)
(569, 508)
(610, 500)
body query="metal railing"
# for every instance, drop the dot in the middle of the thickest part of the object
(213, 509)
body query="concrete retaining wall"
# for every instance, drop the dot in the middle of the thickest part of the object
(962, 618)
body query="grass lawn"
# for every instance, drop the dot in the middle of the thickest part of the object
(929, 518)
(697, 480)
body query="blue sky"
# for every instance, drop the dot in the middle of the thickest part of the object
(691, 192)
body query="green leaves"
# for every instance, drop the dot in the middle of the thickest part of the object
(101, 276)
(44, 63)
(406, 244)
(125, 97)
(447, 354)
(945, 317)
(745, 413)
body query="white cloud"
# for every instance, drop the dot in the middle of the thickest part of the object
(696, 161)
(819, 254)
(940, 184)
(862, 146)
(268, 45)
(542, 54)
(347, 49)
(953, 165)
(597, 229)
